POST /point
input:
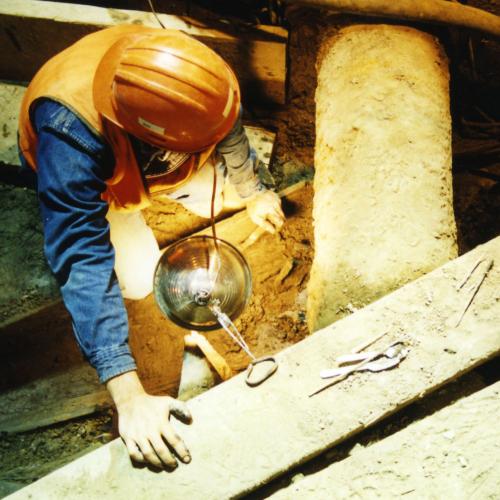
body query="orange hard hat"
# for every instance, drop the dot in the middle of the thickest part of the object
(167, 89)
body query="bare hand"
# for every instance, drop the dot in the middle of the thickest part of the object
(265, 210)
(143, 423)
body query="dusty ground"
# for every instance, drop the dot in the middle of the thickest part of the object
(275, 316)
(27, 456)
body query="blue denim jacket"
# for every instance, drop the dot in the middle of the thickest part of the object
(72, 167)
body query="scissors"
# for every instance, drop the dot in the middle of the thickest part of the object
(388, 357)
(385, 360)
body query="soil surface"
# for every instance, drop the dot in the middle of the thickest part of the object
(275, 317)
(26, 280)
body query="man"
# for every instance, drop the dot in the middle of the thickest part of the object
(123, 115)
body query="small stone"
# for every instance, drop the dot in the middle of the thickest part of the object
(351, 308)
(297, 477)
(449, 434)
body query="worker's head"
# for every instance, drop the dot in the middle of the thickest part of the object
(167, 89)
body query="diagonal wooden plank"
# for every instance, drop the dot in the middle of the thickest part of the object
(61, 411)
(452, 453)
(257, 55)
(48, 393)
(241, 437)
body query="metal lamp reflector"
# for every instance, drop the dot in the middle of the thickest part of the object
(192, 275)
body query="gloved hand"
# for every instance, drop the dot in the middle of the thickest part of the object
(264, 208)
(143, 422)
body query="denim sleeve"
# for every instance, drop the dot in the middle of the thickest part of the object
(73, 165)
(241, 161)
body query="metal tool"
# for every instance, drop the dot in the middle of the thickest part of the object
(202, 283)
(474, 288)
(370, 357)
(231, 329)
(383, 361)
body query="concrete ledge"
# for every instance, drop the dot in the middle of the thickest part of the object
(241, 438)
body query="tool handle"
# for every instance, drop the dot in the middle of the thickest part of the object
(258, 380)
(355, 368)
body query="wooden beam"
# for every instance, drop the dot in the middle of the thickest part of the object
(453, 453)
(32, 31)
(241, 437)
(59, 412)
(435, 11)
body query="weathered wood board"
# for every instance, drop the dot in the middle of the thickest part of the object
(48, 391)
(241, 438)
(453, 453)
(257, 56)
(64, 410)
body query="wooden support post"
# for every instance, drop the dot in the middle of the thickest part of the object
(383, 209)
(242, 437)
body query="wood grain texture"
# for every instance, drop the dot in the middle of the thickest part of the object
(450, 454)
(258, 56)
(59, 412)
(383, 208)
(241, 437)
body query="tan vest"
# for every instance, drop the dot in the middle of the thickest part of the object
(68, 78)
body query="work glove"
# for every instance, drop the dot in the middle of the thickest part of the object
(264, 208)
